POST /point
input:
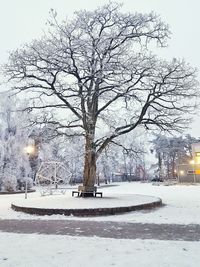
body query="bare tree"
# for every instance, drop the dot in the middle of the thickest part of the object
(98, 77)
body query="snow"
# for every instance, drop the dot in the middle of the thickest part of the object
(67, 202)
(56, 251)
(182, 204)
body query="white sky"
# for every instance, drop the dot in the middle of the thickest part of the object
(23, 20)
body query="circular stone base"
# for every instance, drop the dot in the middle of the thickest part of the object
(63, 205)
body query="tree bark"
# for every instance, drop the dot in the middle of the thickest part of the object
(89, 175)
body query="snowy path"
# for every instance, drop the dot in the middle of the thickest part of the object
(116, 230)
(33, 250)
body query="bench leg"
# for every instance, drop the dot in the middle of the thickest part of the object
(96, 194)
(73, 193)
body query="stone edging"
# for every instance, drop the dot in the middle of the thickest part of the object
(16, 192)
(87, 212)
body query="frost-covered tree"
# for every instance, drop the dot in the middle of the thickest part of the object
(66, 150)
(96, 72)
(171, 151)
(14, 163)
(123, 156)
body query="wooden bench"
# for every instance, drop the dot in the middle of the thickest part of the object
(79, 193)
(87, 193)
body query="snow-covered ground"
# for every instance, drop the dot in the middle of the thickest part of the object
(67, 202)
(20, 250)
(182, 204)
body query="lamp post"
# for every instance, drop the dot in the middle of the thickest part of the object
(192, 162)
(178, 173)
(30, 149)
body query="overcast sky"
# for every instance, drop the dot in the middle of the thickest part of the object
(23, 20)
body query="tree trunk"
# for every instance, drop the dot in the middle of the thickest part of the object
(173, 168)
(89, 175)
(160, 165)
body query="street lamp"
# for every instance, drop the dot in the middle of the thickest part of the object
(30, 149)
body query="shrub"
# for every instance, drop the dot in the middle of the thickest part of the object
(9, 183)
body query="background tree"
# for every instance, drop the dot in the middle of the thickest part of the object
(66, 150)
(97, 76)
(171, 151)
(122, 157)
(14, 163)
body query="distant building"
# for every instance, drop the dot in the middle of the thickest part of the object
(190, 173)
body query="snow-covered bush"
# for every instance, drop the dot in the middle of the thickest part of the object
(21, 183)
(9, 183)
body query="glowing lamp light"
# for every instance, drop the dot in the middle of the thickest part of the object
(198, 160)
(29, 149)
(192, 161)
(181, 172)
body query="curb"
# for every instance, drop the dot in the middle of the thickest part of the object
(16, 192)
(87, 212)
